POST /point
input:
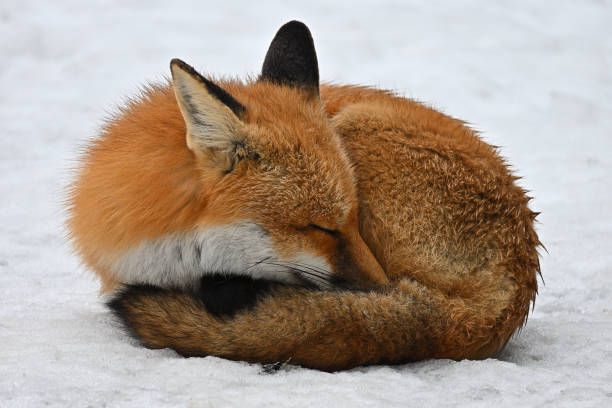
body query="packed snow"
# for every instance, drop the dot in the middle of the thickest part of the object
(534, 77)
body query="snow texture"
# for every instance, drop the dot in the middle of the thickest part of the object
(534, 77)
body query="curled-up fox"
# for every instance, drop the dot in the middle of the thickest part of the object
(280, 218)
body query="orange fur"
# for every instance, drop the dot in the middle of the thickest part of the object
(411, 190)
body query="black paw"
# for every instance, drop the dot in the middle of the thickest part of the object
(225, 295)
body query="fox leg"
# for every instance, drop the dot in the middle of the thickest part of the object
(225, 295)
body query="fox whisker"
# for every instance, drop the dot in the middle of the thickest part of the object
(259, 262)
(322, 280)
(310, 267)
(337, 280)
(321, 273)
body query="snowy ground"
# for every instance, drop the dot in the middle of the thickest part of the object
(535, 77)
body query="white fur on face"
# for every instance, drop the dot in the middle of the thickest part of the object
(180, 260)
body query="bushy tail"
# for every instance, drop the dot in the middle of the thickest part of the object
(328, 330)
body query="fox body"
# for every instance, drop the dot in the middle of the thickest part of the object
(369, 228)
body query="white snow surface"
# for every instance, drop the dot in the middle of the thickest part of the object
(534, 77)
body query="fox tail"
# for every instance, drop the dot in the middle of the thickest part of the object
(327, 330)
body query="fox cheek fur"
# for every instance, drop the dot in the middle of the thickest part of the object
(241, 248)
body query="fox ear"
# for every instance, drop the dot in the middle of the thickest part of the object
(212, 116)
(292, 59)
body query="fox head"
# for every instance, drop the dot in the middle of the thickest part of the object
(265, 188)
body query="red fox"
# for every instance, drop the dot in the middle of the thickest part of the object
(278, 219)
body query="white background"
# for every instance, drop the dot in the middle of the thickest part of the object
(534, 77)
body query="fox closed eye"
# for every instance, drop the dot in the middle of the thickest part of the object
(333, 233)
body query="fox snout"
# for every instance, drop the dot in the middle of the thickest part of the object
(356, 264)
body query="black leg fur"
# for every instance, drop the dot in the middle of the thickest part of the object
(221, 295)
(225, 295)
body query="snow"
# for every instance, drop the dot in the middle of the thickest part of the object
(535, 77)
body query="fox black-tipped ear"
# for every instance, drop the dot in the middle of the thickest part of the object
(180, 71)
(212, 116)
(292, 59)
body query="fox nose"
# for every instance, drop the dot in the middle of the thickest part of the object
(360, 267)
(364, 269)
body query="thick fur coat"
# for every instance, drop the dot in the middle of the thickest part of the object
(372, 229)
